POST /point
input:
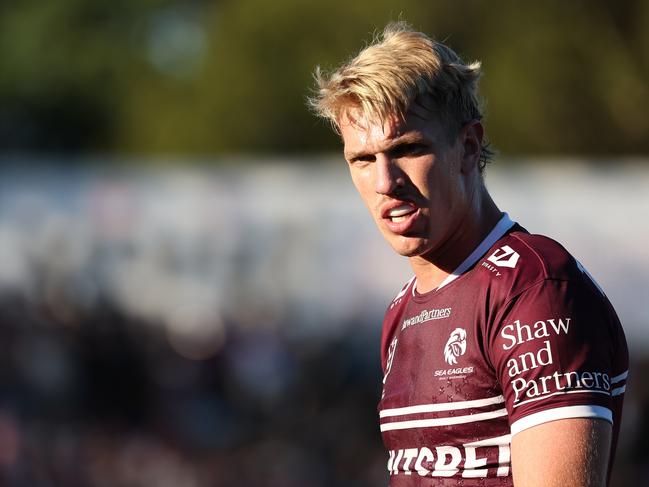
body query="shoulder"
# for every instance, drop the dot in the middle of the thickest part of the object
(401, 297)
(525, 260)
(547, 283)
(544, 255)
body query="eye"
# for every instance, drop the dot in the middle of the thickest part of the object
(362, 159)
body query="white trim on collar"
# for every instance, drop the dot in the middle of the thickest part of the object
(504, 224)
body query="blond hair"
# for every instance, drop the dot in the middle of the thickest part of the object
(398, 68)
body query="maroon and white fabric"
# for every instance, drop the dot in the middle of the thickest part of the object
(517, 336)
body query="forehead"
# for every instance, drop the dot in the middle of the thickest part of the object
(363, 135)
(366, 131)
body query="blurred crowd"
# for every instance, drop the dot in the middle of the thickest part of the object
(195, 330)
(105, 401)
(174, 329)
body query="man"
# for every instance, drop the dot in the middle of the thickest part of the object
(504, 363)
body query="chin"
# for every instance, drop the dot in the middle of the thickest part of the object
(410, 247)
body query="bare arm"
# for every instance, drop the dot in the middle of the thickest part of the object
(566, 452)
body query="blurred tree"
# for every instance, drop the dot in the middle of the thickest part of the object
(63, 66)
(249, 94)
(196, 77)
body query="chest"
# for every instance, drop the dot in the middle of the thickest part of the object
(438, 354)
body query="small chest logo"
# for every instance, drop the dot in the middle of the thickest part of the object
(505, 256)
(391, 350)
(455, 346)
(388, 366)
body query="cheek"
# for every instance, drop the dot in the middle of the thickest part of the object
(363, 183)
(441, 183)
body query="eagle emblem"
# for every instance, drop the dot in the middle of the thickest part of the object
(455, 346)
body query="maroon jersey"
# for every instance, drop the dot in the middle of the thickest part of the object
(517, 336)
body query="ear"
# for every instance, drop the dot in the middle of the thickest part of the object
(471, 140)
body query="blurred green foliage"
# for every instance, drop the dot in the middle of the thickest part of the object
(152, 77)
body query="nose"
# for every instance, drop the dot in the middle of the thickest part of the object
(388, 176)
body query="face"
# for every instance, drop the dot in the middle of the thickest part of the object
(416, 183)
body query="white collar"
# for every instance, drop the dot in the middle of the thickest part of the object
(504, 224)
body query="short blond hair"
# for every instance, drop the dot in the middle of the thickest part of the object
(399, 67)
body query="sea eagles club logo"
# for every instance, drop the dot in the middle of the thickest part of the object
(455, 346)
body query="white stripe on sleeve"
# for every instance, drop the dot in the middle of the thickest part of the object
(565, 412)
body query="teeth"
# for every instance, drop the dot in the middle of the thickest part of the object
(397, 219)
(400, 211)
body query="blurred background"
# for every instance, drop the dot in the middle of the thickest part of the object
(190, 290)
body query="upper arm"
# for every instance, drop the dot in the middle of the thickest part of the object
(558, 355)
(562, 363)
(571, 452)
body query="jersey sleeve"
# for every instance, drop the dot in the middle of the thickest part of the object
(556, 352)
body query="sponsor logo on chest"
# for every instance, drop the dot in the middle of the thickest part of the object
(479, 459)
(425, 316)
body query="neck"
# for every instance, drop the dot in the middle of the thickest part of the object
(434, 267)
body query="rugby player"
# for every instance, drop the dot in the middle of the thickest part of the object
(504, 362)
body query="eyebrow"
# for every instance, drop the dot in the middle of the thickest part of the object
(405, 139)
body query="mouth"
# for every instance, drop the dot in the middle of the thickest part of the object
(399, 213)
(399, 216)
